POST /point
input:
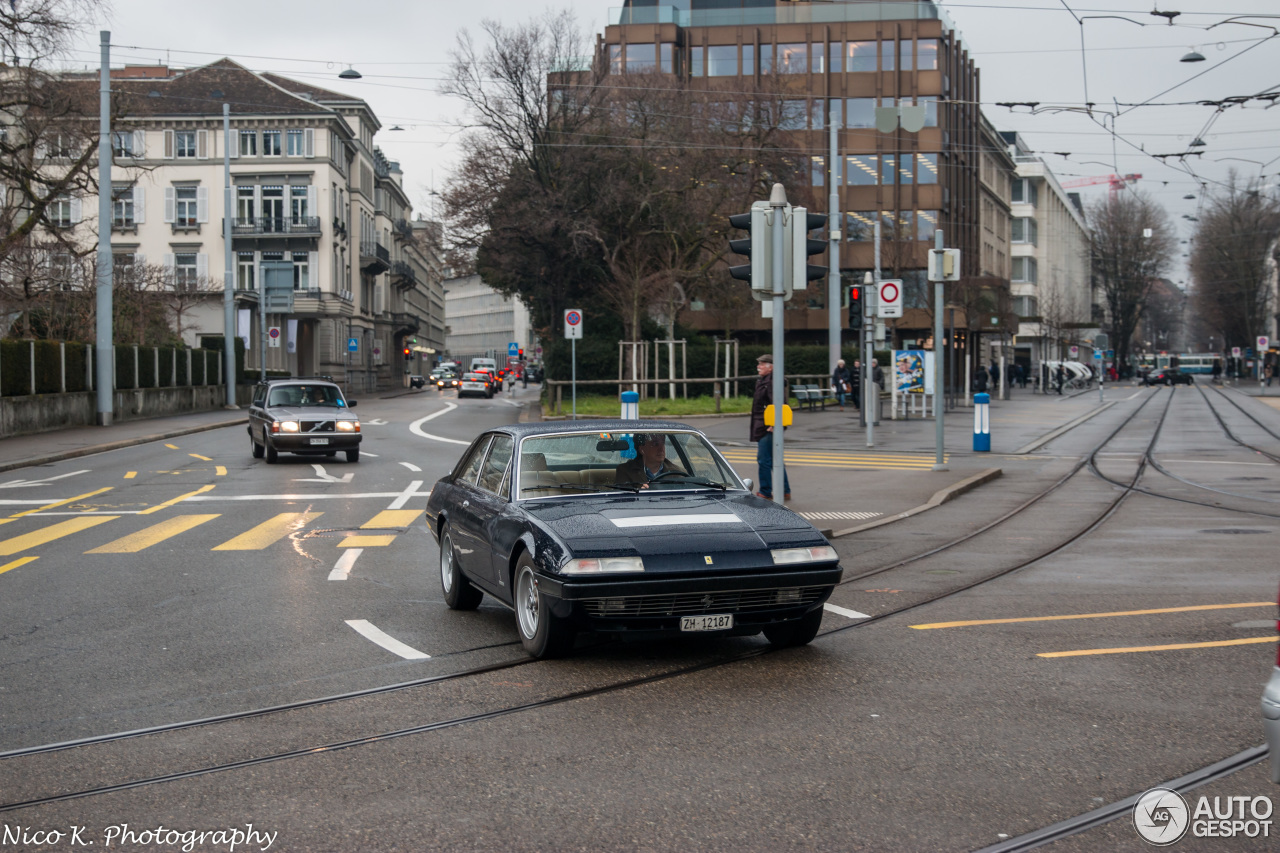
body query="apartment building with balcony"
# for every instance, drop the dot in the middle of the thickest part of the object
(315, 208)
(849, 57)
(1051, 282)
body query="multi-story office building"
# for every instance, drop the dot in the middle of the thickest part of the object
(316, 210)
(484, 322)
(1052, 292)
(850, 57)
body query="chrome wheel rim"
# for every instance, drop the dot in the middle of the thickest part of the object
(527, 604)
(446, 563)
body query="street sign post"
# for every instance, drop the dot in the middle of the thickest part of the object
(353, 345)
(1264, 342)
(1235, 352)
(890, 301)
(573, 331)
(513, 350)
(273, 337)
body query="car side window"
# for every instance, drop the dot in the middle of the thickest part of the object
(496, 464)
(471, 467)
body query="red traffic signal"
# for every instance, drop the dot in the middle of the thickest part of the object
(406, 352)
(855, 293)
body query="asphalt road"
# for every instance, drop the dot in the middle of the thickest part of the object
(910, 733)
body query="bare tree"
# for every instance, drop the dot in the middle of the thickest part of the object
(1232, 295)
(1132, 244)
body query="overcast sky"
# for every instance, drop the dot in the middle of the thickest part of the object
(1026, 50)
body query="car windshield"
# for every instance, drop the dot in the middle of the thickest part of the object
(306, 395)
(620, 462)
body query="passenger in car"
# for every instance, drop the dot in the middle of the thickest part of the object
(650, 462)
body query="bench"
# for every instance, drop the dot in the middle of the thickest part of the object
(824, 395)
(803, 395)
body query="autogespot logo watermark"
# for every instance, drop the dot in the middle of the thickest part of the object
(1162, 817)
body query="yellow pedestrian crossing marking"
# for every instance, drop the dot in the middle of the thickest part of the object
(201, 458)
(1171, 647)
(367, 541)
(61, 503)
(269, 531)
(172, 446)
(220, 471)
(135, 542)
(1187, 609)
(21, 561)
(129, 475)
(173, 501)
(48, 534)
(392, 518)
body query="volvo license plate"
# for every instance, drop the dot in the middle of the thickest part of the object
(719, 622)
(319, 441)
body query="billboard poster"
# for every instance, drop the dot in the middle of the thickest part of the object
(908, 371)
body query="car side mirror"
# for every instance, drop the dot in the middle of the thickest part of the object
(351, 404)
(751, 486)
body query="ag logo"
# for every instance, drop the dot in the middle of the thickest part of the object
(1161, 816)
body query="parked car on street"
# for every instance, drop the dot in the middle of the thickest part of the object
(416, 381)
(571, 527)
(304, 416)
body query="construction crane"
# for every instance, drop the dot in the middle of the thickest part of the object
(1117, 182)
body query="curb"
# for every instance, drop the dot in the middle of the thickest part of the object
(116, 445)
(939, 498)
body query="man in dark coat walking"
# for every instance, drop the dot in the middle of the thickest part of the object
(763, 435)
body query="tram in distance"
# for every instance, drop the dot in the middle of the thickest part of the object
(1200, 362)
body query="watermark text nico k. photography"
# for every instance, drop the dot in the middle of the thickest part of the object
(123, 835)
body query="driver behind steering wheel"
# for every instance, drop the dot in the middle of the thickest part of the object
(650, 462)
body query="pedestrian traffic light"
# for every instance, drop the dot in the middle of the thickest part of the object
(855, 306)
(802, 247)
(758, 247)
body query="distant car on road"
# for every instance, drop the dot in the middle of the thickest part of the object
(566, 525)
(447, 379)
(416, 381)
(475, 385)
(304, 416)
(1168, 376)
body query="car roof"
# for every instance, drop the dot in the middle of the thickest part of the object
(520, 431)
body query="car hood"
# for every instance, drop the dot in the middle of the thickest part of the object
(314, 413)
(727, 530)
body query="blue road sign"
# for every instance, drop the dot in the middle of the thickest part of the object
(1111, 353)
(353, 345)
(1097, 354)
(513, 349)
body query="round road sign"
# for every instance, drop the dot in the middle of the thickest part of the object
(573, 318)
(274, 332)
(889, 291)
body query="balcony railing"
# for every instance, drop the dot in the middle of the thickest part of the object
(404, 272)
(274, 226)
(374, 257)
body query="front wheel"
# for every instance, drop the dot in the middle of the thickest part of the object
(273, 456)
(255, 447)
(353, 455)
(459, 594)
(542, 634)
(798, 633)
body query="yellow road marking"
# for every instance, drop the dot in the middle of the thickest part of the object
(367, 541)
(129, 475)
(52, 532)
(220, 471)
(135, 542)
(202, 458)
(269, 531)
(1173, 647)
(1094, 615)
(21, 561)
(172, 446)
(178, 499)
(62, 503)
(392, 518)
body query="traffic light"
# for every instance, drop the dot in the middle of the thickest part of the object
(406, 353)
(855, 306)
(802, 246)
(758, 247)
(521, 352)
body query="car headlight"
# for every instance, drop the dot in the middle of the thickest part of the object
(601, 565)
(286, 426)
(787, 556)
(348, 426)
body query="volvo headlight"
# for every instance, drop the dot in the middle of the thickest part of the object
(348, 426)
(288, 426)
(788, 556)
(602, 565)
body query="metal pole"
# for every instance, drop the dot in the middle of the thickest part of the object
(834, 216)
(103, 342)
(262, 324)
(228, 277)
(937, 352)
(778, 205)
(869, 329)
(573, 358)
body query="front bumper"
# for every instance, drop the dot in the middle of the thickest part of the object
(1271, 721)
(300, 442)
(654, 605)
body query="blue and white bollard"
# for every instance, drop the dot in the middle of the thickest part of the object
(630, 406)
(982, 423)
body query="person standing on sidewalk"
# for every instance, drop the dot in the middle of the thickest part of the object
(763, 435)
(841, 381)
(994, 370)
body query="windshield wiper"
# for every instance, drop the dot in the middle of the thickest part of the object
(581, 487)
(681, 477)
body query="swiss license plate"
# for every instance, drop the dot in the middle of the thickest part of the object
(719, 622)
(319, 441)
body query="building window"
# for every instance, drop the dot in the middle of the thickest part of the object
(301, 271)
(795, 115)
(298, 205)
(861, 170)
(1024, 191)
(835, 56)
(245, 279)
(697, 61)
(184, 143)
(1024, 270)
(59, 212)
(888, 167)
(818, 171)
(270, 143)
(817, 57)
(899, 226)
(860, 226)
(1024, 230)
(122, 213)
(244, 206)
(722, 60)
(927, 55)
(615, 59)
(926, 168)
(122, 143)
(184, 271)
(905, 172)
(748, 59)
(293, 141)
(1025, 306)
(666, 58)
(273, 208)
(248, 143)
(766, 58)
(860, 112)
(926, 224)
(641, 57)
(860, 56)
(185, 207)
